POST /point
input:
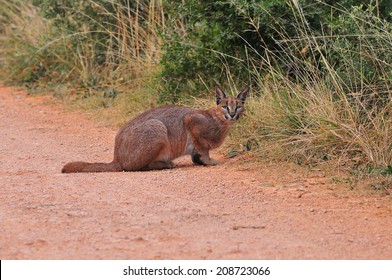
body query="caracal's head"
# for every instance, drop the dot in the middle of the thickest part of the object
(230, 108)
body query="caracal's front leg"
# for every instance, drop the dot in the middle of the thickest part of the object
(198, 128)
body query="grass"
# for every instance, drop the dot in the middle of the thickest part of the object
(122, 53)
(324, 112)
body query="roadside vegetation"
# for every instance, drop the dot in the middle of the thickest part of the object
(320, 71)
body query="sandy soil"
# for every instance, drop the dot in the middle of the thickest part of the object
(230, 211)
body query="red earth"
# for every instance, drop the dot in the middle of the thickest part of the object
(236, 210)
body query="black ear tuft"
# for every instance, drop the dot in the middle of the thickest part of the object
(244, 94)
(219, 94)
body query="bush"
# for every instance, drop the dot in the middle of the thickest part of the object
(199, 46)
(208, 41)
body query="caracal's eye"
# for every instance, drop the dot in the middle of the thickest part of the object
(238, 107)
(225, 107)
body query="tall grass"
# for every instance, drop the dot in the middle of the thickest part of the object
(22, 35)
(324, 97)
(94, 55)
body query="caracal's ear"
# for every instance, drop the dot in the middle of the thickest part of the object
(219, 94)
(244, 94)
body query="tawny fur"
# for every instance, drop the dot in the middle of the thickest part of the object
(156, 137)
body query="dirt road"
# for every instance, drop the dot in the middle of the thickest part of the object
(231, 211)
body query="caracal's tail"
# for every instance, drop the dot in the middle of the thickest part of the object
(80, 166)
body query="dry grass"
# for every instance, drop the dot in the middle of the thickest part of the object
(328, 115)
(35, 50)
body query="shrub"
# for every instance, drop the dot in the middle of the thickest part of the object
(208, 41)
